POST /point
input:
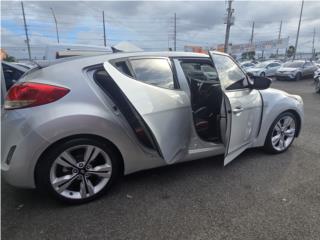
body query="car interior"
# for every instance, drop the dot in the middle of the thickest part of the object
(206, 97)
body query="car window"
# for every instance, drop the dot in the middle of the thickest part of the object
(293, 64)
(11, 75)
(155, 71)
(123, 67)
(308, 64)
(201, 70)
(230, 75)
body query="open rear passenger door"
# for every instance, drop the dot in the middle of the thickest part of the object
(243, 106)
(166, 113)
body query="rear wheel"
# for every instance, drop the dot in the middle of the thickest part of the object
(281, 133)
(78, 170)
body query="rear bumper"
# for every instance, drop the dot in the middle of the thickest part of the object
(20, 146)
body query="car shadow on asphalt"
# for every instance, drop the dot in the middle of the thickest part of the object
(210, 168)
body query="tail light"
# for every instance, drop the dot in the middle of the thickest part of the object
(29, 94)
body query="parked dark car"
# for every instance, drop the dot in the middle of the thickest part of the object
(12, 73)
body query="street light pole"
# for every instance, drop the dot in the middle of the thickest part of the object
(55, 21)
(104, 29)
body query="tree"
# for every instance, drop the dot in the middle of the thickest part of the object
(9, 59)
(248, 55)
(290, 51)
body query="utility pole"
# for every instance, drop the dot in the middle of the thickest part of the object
(279, 37)
(252, 33)
(175, 32)
(55, 20)
(104, 30)
(229, 23)
(26, 31)
(297, 37)
(313, 49)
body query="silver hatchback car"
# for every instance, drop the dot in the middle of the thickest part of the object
(72, 128)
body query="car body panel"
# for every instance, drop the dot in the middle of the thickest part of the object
(243, 118)
(87, 110)
(167, 112)
(290, 72)
(276, 102)
(269, 70)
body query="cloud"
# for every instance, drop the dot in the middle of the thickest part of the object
(149, 24)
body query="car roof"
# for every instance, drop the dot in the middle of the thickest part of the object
(97, 59)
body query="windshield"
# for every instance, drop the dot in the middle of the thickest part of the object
(293, 64)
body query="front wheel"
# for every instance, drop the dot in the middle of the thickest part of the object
(78, 170)
(298, 77)
(281, 133)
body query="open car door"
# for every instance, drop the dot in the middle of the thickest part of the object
(242, 105)
(165, 112)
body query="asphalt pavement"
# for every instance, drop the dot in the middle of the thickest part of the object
(257, 196)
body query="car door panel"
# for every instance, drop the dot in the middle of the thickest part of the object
(166, 112)
(244, 109)
(244, 116)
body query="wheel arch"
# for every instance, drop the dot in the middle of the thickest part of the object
(56, 143)
(298, 117)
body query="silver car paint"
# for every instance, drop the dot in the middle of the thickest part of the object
(167, 113)
(87, 110)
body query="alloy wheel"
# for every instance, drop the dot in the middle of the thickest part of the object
(283, 133)
(80, 172)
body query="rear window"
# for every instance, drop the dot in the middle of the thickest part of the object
(293, 64)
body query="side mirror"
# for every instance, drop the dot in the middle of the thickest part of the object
(260, 83)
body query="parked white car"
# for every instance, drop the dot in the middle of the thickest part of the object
(247, 65)
(263, 69)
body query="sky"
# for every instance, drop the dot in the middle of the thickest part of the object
(150, 24)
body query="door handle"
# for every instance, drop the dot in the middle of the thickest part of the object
(238, 109)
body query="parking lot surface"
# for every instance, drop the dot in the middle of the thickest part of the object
(257, 196)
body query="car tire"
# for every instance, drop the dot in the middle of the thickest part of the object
(263, 74)
(317, 85)
(55, 164)
(271, 145)
(298, 77)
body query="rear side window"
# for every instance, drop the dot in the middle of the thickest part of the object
(154, 71)
(123, 67)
